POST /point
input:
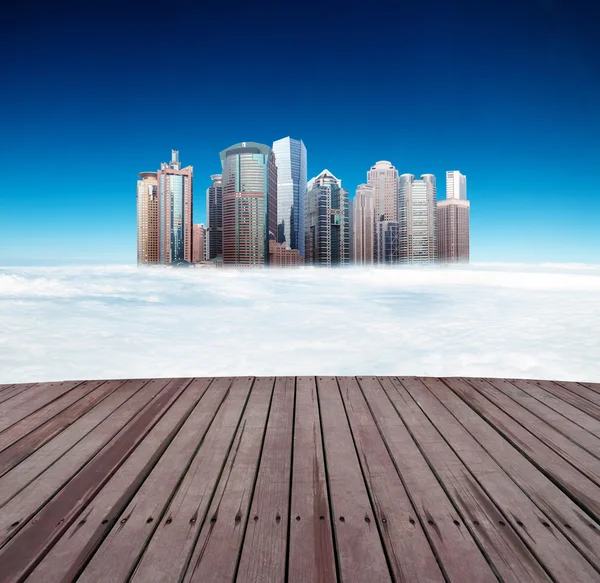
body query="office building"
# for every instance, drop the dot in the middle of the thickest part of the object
(175, 199)
(290, 158)
(363, 225)
(456, 185)
(383, 177)
(249, 203)
(147, 218)
(453, 221)
(214, 217)
(327, 221)
(282, 256)
(198, 235)
(388, 241)
(417, 219)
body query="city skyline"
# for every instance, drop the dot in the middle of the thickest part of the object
(507, 94)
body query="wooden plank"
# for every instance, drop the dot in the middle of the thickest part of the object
(166, 445)
(409, 553)
(585, 492)
(550, 547)
(457, 550)
(168, 552)
(26, 402)
(564, 514)
(118, 554)
(265, 542)
(217, 550)
(581, 459)
(509, 555)
(15, 390)
(569, 420)
(311, 554)
(570, 397)
(20, 508)
(360, 552)
(37, 418)
(19, 442)
(592, 386)
(23, 552)
(3, 387)
(582, 390)
(28, 470)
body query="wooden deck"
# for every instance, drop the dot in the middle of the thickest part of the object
(353, 479)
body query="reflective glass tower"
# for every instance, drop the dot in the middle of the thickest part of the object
(249, 203)
(175, 208)
(327, 221)
(214, 217)
(290, 157)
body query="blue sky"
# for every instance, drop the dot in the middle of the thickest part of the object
(95, 93)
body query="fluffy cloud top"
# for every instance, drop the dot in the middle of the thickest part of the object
(59, 323)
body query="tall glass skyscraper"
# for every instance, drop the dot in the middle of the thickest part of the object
(290, 157)
(249, 203)
(417, 219)
(214, 217)
(175, 209)
(327, 221)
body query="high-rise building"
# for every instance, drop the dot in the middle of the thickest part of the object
(249, 203)
(198, 234)
(363, 225)
(388, 241)
(383, 177)
(290, 157)
(327, 221)
(453, 221)
(147, 218)
(214, 217)
(175, 209)
(416, 217)
(456, 185)
(282, 256)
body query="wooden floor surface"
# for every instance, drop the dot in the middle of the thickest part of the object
(300, 479)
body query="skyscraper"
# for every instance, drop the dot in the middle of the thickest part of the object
(416, 217)
(453, 221)
(456, 185)
(147, 218)
(383, 177)
(198, 234)
(214, 217)
(175, 208)
(290, 157)
(388, 241)
(363, 224)
(327, 224)
(249, 203)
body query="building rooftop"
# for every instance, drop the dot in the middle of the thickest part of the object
(300, 479)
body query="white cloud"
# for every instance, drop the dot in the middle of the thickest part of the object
(123, 322)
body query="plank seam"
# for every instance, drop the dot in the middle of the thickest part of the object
(326, 468)
(186, 564)
(483, 489)
(466, 522)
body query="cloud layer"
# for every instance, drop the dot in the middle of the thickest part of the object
(518, 321)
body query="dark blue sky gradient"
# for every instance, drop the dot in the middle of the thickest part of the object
(506, 92)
